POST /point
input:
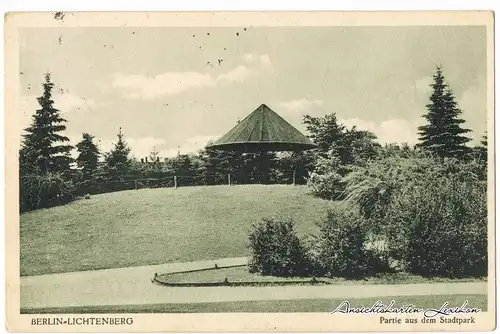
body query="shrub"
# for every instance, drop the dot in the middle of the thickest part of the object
(326, 179)
(440, 228)
(277, 250)
(340, 247)
(45, 190)
(431, 212)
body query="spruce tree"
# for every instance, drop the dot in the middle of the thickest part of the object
(117, 160)
(443, 134)
(43, 148)
(484, 141)
(88, 156)
(154, 156)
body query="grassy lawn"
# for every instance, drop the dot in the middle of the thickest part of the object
(154, 226)
(306, 305)
(239, 275)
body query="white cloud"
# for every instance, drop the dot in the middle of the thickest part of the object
(136, 86)
(263, 61)
(65, 102)
(301, 105)
(239, 74)
(249, 57)
(190, 145)
(143, 146)
(473, 100)
(139, 147)
(139, 86)
(389, 131)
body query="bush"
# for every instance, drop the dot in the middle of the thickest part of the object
(340, 247)
(276, 249)
(431, 212)
(326, 179)
(444, 224)
(43, 191)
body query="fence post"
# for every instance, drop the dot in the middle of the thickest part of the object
(293, 177)
(135, 184)
(175, 181)
(229, 179)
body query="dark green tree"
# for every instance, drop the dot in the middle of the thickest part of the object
(324, 131)
(443, 134)
(302, 163)
(154, 156)
(43, 149)
(88, 156)
(352, 146)
(217, 164)
(117, 160)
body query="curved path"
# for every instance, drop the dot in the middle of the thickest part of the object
(123, 286)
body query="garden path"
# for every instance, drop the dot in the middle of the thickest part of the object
(133, 286)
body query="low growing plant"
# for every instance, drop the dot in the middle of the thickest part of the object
(277, 250)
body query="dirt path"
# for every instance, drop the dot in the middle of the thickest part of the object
(133, 285)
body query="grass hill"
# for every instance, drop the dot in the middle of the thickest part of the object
(154, 226)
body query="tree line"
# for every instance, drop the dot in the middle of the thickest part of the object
(47, 177)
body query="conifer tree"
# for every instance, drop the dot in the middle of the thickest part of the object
(43, 148)
(484, 141)
(154, 155)
(443, 134)
(117, 160)
(88, 156)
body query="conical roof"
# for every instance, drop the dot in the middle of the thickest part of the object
(263, 130)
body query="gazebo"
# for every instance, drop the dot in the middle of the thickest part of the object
(263, 131)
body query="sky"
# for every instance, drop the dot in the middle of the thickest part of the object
(174, 89)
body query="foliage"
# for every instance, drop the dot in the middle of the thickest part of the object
(326, 180)
(44, 190)
(259, 168)
(289, 162)
(352, 146)
(117, 162)
(443, 134)
(276, 249)
(217, 164)
(324, 131)
(43, 149)
(444, 222)
(339, 149)
(88, 156)
(87, 162)
(340, 247)
(430, 212)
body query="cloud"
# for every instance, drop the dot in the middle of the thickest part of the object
(239, 74)
(141, 147)
(190, 145)
(249, 57)
(301, 105)
(473, 104)
(265, 61)
(137, 86)
(64, 102)
(473, 100)
(171, 83)
(262, 61)
(389, 131)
